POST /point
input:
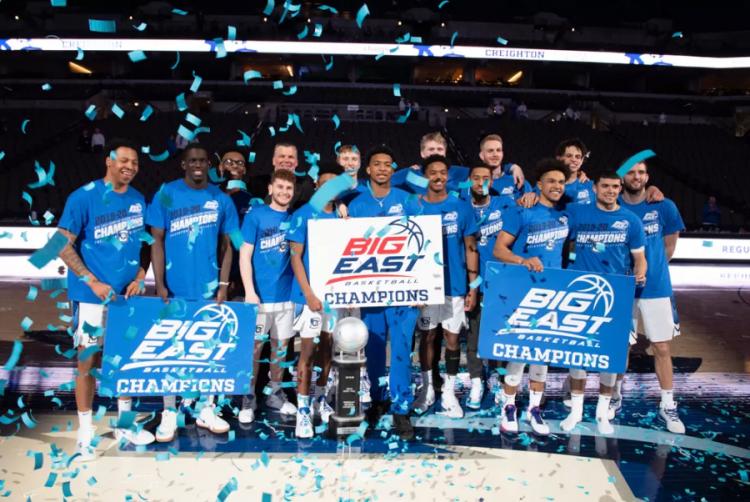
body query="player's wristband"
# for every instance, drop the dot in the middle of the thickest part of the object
(221, 283)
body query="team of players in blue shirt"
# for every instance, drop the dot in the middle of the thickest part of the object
(192, 223)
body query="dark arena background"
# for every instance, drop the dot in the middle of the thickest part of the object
(672, 77)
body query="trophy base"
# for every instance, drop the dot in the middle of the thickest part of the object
(343, 426)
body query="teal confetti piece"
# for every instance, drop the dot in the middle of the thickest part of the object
(442, 4)
(146, 113)
(180, 100)
(336, 121)
(272, 131)
(38, 458)
(160, 157)
(33, 292)
(437, 258)
(58, 3)
(318, 30)
(221, 51)
(24, 125)
(244, 140)
(185, 133)
(228, 488)
(196, 121)
(266, 497)
(197, 80)
(117, 111)
(269, 7)
(635, 159)
(91, 481)
(330, 191)
(329, 64)
(90, 112)
(137, 56)
(28, 420)
(330, 9)
(707, 244)
(231, 32)
(264, 458)
(476, 282)
(251, 74)
(302, 34)
(292, 90)
(51, 480)
(140, 27)
(416, 179)
(179, 12)
(176, 63)
(49, 251)
(2, 154)
(46, 87)
(403, 118)
(677, 34)
(502, 41)
(362, 13)
(102, 26)
(48, 218)
(79, 54)
(397, 90)
(162, 456)
(25, 196)
(213, 175)
(232, 184)
(453, 38)
(278, 84)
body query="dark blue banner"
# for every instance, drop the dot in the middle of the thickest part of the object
(184, 347)
(563, 318)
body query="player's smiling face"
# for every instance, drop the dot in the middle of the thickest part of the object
(195, 163)
(284, 157)
(635, 180)
(481, 178)
(492, 153)
(607, 190)
(573, 158)
(380, 168)
(281, 192)
(350, 161)
(122, 166)
(234, 164)
(552, 185)
(432, 147)
(437, 176)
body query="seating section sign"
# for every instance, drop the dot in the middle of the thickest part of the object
(377, 262)
(183, 347)
(562, 318)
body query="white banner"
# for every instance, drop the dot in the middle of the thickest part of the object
(377, 262)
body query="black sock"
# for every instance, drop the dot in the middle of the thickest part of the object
(452, 359)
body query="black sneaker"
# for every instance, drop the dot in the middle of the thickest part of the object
(376, 410)
(402, 426)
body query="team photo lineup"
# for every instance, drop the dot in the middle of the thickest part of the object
(216, 242)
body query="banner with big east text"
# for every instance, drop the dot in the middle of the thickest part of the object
(563, 318)
(377, 262)
(183, 347)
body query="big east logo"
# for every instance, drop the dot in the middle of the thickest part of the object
(577, 312)
(393, 252)
(197, 343)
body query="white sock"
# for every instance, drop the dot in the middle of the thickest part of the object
(667, 399)
(84, 419)
(476, 385)
(449, 386)
(576, 404)
(427, 378)
(602, 406)
(617, 393)
(303, 401)
(509, 399)
(170, 402)
(124, 405)
(535, 398)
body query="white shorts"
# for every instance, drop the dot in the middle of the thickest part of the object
(657, 318)
(275, 319)
(309, 324)
(93, 314)
(450, 314)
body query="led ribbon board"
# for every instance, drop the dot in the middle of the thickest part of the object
(371, 49)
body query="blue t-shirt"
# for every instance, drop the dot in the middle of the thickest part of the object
(458, 222)
(579, 193)
(504, 185)
(298, 233)
(193, 221)
(604, 239)
(456, 176)
(396, 203)
(489, 218)
(265, 228)
(108, 227)
(659, 219)
(540, 232)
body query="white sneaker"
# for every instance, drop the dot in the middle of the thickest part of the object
(210, 419)
(672, 420)
(167, 428)
(425, 398)
(535, 417)
(83, 445)
(614, 406)
(304, 428)
(140, 438)
(509, 419)
(474, 402)
(322, 409)
(603, 425)
(570, 422)
(246, 416)
(278, 401)
(364, 387)
(451, 406)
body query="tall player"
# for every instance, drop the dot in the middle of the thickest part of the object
(488, 212)
(381, 199)
(314, 323)
(105, 255)
(662, 224)
(533, 238)
(190, 222)
(267, 279)
(460, 260)
(608, 239)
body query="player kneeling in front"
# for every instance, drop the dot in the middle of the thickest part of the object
(534, 238)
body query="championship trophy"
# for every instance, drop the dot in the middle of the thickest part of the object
(349, 340)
